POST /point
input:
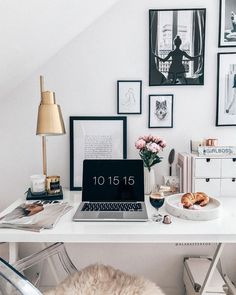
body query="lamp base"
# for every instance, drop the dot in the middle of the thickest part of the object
(45, 196)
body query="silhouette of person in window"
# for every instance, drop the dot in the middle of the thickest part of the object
(177, 71)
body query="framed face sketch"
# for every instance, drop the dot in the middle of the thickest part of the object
(176, 46)
(160, 111)
(227, 27)
(129, 97)
(226, 89)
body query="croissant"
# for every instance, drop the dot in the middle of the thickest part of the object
(189, 199)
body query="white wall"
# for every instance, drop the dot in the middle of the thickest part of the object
(84, 74)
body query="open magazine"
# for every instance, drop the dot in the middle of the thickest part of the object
(35, 216)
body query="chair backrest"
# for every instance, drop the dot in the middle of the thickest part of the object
(13, 282)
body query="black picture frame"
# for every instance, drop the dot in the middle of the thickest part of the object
(226, 84)
(227, 23)
(169, 26)
(160, 114)
(109, 134)
(129, 97)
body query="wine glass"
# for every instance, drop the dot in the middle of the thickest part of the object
(156, 197)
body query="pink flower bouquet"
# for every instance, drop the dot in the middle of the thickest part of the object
(149, 146)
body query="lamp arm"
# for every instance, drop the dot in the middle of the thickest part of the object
(44, 155)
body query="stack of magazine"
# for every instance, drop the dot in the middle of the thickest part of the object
(35, 216)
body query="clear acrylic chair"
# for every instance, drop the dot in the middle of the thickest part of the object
(11, 278)
(96, 276)
(14, 283)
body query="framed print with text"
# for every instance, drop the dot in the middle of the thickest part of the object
(226, 89)
(176, 46)
(227, 25)
(160, 111)
(95, 138)
(129, 97)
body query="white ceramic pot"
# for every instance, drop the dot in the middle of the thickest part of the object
(149, 180)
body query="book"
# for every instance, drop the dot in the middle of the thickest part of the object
(184, 162)
(216, 150)
(35, 216)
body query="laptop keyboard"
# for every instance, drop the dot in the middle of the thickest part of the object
(97, 206)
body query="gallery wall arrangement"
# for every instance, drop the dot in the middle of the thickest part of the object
(176, 58)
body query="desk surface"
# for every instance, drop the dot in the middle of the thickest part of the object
(222, 229)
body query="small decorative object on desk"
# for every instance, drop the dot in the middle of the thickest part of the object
(37, 184)
(167, 219)
(149, 146)
(53, 184)
(41, 190)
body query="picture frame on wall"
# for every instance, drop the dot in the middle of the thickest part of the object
(95, 137)
(227, 24)
(160, 111)
(176, 46)
(129, 97)
(226, 89)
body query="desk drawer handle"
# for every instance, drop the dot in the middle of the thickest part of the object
(208, 160)
(207, 179)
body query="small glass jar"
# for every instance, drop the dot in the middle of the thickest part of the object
(37, 183)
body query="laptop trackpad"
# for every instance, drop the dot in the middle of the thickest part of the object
(111, 215)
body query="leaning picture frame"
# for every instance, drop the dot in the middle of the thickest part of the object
(227, 23)
(160, 111)
(176, 46)
(95, 137)
(226, 89)
(129, 97)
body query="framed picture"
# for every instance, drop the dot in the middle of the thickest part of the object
(160, 111)
(226, 89)
(95, 138)
(227, 25)
(129, 97)
(176, 46)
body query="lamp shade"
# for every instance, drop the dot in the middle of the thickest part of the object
(50, 121)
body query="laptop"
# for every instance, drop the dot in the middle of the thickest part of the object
(113, 190)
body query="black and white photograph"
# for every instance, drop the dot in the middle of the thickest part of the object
(227, 28)
(226, 91)
(160, 111)
(129, 97)
(95, 137)
(176, 47)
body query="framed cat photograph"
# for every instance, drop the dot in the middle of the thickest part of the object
(160, 111)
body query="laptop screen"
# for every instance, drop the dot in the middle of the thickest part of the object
(113, 181)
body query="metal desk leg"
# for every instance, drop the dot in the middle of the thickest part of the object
(13, 252)
(212, 267)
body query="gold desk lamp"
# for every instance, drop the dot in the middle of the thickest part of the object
(50, 121)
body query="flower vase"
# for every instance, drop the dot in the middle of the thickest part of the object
(149, 180)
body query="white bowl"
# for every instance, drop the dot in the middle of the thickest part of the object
(210, 211)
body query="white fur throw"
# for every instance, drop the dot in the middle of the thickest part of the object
(104, 280)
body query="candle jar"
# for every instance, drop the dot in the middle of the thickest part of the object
(37, 184)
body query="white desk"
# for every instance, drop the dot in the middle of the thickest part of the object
(222, 230)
